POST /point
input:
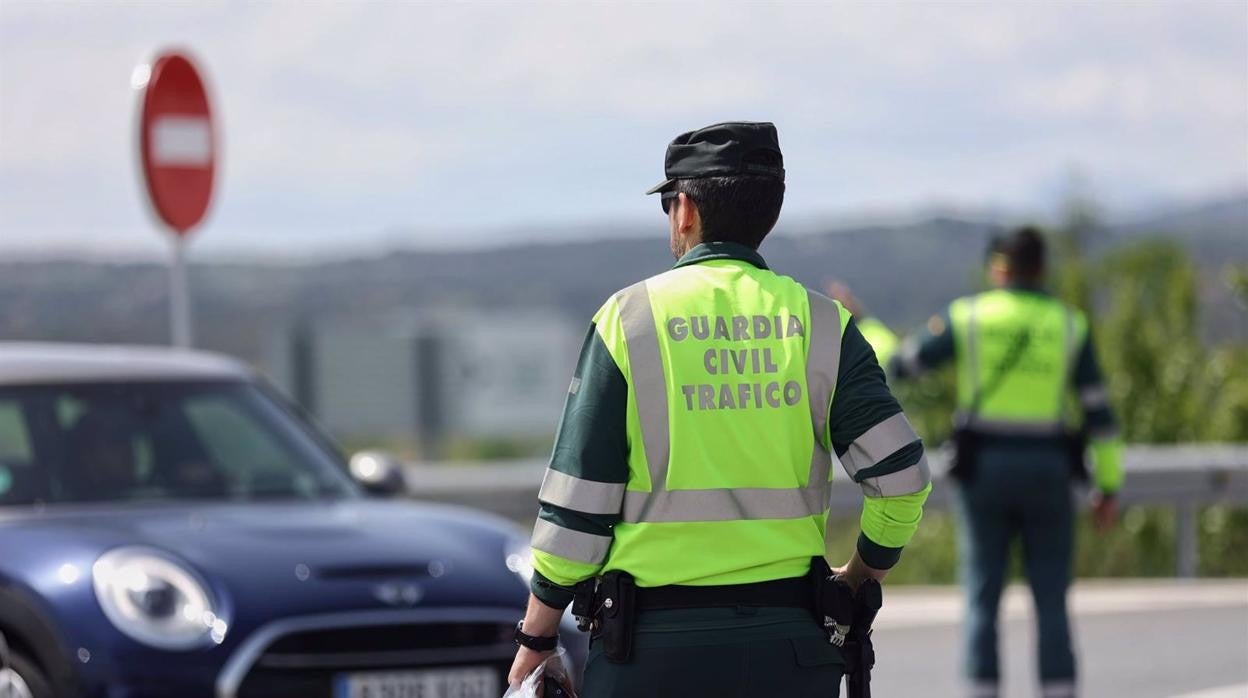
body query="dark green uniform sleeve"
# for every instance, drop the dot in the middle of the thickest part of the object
(584, 485)
(1093, 396)
(1098, 419)
(925, 350)
(879, 450)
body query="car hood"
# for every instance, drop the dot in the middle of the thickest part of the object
(267, 560)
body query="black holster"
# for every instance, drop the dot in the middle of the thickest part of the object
(616, 606)
(847, 617)
(833, 602)
(859, 649)
(583, 604)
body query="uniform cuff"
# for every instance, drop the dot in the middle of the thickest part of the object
(549, 593)
(875, 555)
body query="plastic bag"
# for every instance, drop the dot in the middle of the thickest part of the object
(534, 685)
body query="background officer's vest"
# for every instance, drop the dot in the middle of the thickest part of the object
(731, 370)
(882, 340)
(1030, 398)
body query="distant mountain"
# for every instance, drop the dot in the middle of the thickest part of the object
(1217, 218)
(1218, 229)
(902, 272)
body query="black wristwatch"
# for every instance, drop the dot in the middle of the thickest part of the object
(533, 642)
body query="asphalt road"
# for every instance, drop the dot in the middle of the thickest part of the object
(1165, 639)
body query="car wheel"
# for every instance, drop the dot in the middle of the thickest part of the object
(22, 679)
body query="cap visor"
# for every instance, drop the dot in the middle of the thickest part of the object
(661, 186)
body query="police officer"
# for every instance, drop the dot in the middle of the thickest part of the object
(693, 457)
(882, 339)
(1019, 355)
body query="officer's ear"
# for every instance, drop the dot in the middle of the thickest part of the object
(999, 271)
(687, 218)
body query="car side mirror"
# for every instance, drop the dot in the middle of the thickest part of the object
(379, 473)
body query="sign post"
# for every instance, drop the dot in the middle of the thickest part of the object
(178, 155)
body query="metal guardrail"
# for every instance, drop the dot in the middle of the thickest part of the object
(1186, 477)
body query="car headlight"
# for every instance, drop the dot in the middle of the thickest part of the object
(520, 560)
(155, 600)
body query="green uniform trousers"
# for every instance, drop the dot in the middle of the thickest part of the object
(1018, 492)
(720, 653)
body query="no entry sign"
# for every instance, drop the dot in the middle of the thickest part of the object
(177, 142)
(178, 154)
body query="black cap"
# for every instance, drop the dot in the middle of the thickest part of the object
(723, 150)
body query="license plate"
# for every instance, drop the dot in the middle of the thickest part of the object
(472, 682)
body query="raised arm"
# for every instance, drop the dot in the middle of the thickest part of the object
(928, 349)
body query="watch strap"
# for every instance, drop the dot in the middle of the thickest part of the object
(534, 642)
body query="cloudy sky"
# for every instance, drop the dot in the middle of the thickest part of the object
(351, 126)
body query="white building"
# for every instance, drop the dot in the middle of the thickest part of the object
(424, 379)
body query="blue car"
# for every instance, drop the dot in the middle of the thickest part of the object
(170, 526)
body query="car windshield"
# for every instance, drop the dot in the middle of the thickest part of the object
(158, 442)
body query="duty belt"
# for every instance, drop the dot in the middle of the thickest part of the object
(609, 607)
(793, 592)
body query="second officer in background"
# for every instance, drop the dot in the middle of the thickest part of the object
(1020, 354)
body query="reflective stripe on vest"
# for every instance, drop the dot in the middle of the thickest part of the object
(822, 365)
(661, 505)
(972, 344)
(1072, 347)
(650, 389)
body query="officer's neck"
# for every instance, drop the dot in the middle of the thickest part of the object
(1029, 285)
(686, 242)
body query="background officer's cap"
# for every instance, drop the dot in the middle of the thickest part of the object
(723, 150)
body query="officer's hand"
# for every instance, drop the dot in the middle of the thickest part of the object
(526, 661)
(843, 573)
(855, 572)
(1104, 512)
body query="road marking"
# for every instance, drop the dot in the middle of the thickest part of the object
(1237, 691)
